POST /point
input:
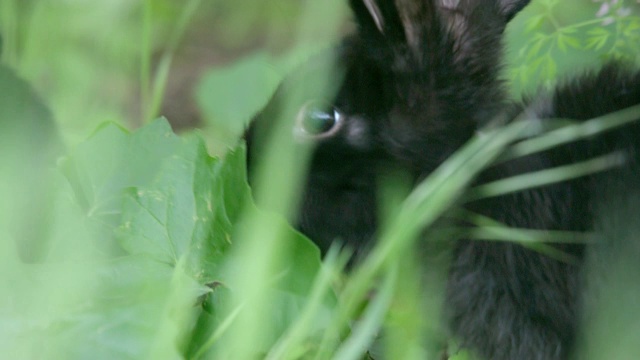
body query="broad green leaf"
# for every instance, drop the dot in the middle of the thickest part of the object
(230, 96)
(117, 315)
(112, 160)
(29, 145)
(188, 211)
(174, 210)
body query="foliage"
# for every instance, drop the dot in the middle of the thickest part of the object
(152, 219)
(152, 248)
(552, 40)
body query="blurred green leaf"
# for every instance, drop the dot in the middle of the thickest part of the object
(230, 96)
(565, 40)
(569, 37)
(174, 210)
(597, 38)
(534, 22)
(112, 160)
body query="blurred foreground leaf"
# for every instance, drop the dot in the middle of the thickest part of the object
(142, 231)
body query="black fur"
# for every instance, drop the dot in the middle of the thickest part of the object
(419, 79)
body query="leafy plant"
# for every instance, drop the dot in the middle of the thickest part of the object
(553, 40)
(153, 219)
(155, 249)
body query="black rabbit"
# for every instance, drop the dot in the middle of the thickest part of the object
(417, 80)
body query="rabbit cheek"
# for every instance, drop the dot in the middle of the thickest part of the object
(344, 213)
(357, 134)
(339, 201)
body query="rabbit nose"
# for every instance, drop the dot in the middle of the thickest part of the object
(358, 133)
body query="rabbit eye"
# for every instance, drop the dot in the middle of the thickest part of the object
(318, 120)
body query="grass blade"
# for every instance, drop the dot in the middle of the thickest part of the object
(574, 132)
(546, 177)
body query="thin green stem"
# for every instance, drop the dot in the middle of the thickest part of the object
(368, 326)
(545, 177)
(145, 59)
(572, 133)
(286, 347)
(164, 65)
(220, 331)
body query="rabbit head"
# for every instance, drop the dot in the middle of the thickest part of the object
(412, 84)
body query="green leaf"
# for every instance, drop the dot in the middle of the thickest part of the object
(631, 28)
(178, 214)
(549, 69)
(597, 38)
(174, 210)
(534, 23)
(113, 311)
(29, 143)
(567, 30)
(564, 40)
(549, 3)
(230, 96)
(112, 160)
(536, 46)
(596, 42)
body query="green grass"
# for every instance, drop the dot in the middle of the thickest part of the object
(140, 244)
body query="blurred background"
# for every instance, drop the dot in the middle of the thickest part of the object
(131, 61)
(212, 63)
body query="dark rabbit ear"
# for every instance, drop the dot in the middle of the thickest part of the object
(369, 14)
(423, 24)
(507, 9)
(378, 19)
(476, 27)
(510, 8)
(397, 22)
